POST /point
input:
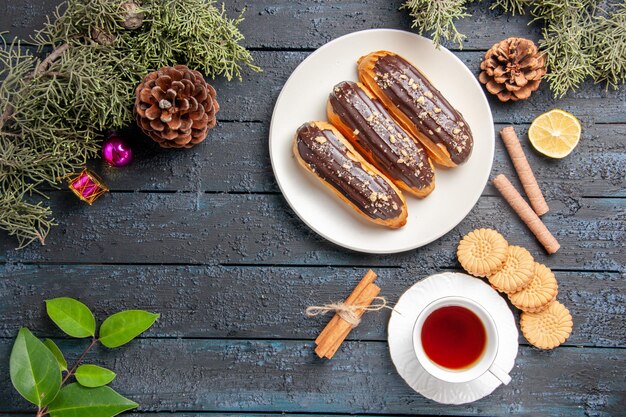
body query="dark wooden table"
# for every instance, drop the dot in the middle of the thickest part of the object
(205, 238)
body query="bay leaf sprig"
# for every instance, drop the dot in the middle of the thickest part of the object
(40, 374)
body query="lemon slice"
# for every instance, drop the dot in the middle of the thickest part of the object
(555, 133)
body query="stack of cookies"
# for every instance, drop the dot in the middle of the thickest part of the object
(530, 286)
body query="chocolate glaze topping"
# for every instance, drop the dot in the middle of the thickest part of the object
(431, 113)
(333, 162)
(392, 149)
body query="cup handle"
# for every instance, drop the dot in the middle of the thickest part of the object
(500, 374)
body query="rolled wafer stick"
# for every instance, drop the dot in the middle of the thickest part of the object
(525, 173)
(526, 213)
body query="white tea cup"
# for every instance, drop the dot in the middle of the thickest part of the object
(484, 363)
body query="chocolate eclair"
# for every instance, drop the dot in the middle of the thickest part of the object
(323, 151)
(418, 106)
(374, 133)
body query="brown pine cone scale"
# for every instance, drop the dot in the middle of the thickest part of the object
(512, 69)
(176, 107)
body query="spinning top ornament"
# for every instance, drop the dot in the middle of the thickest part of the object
(116, 151)
(87, 186)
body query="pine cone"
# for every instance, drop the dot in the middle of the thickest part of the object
(103, 37)
(132, 15)
(512, 69)
(176, 107)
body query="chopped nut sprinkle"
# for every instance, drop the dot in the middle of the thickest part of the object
(373, 197)
(428, 94)
(437, 110)
(392, 139)
(456, 131)
(420, 100)
(320, 139)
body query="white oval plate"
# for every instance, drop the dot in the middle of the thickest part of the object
(401, 327)
(303, 98)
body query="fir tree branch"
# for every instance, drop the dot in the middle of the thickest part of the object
(6, 114)
(511, 6)
(608, 45)
(53, 111)
(581, 39)
(54, 55)
(438, 17)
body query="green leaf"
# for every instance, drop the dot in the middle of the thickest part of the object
(77, 401)
(93, 376)
(58, 355)
(35, 372)
(122, 327)
(72, 316)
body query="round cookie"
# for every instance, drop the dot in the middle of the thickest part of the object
(516, 272)
(539, 293)
(482, 251)
(549, 328)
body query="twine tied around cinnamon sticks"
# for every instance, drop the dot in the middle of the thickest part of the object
(347, 315)
(345, 311)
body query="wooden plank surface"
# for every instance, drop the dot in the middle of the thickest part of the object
(235, 158)
(253, 99)
(218, 414)
(298, 24)
(243, 302)
(259, 375)
(261, 229)
(204, 237)
(591, 103)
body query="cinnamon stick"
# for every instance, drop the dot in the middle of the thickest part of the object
(342, 329)
(368, 279)
(525, 173)
(526, 213)
(335, 331)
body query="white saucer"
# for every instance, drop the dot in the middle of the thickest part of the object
(400, 332)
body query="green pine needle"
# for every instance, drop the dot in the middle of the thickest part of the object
(53, 112)
(568, 61)
(511, 6)
(609, 43)
(581, 39)
(437, 17)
